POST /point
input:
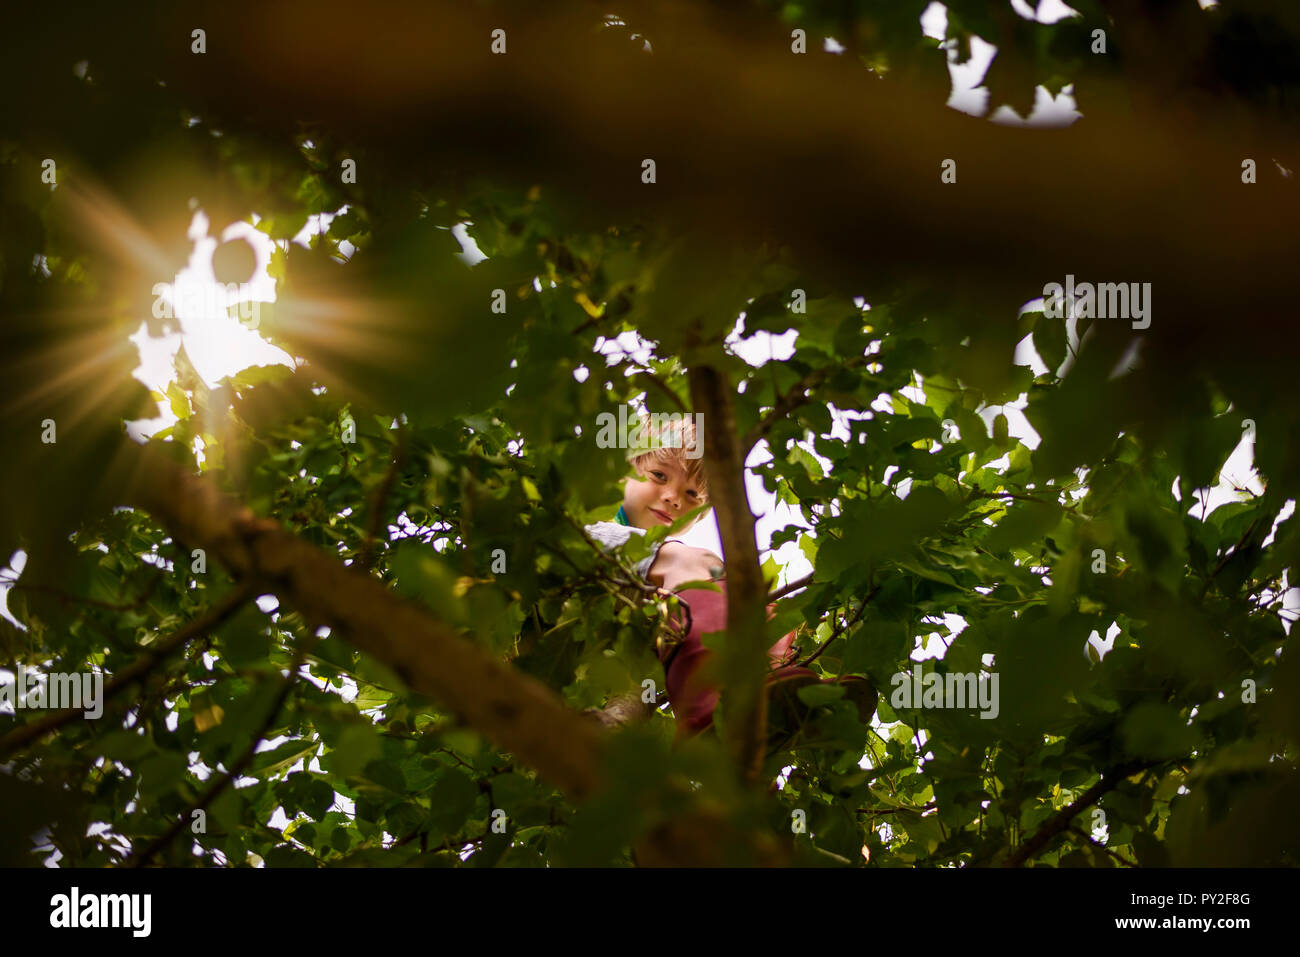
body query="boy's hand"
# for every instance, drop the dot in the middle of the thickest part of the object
(678, 563)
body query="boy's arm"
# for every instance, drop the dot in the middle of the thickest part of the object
(678, 563)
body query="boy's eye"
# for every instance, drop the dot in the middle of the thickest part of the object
(659, 475)
(692, 493)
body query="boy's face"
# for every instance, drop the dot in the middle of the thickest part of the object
(659, 494)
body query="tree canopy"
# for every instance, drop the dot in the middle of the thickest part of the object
(346, 613)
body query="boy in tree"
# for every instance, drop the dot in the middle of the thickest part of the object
(666, 485)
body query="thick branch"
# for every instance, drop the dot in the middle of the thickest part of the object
(863, 210)
(744, 661)
(516, 712)
(857, 214)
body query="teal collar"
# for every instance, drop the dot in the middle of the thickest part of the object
(621, 517)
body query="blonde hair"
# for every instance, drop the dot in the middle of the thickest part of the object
(661, 438)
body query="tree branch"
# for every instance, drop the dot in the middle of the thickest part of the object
(1080, 832)
(67, 598)
(794, 397)
(1059, 821)
(375, 520)
(841, 629)
(744, 662)
(516, 712)
(662, 386)
(864, 221)
(790, 587)
(236, 769)
(149, 657)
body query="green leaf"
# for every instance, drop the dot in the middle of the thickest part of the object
(267, 763)
(452, 798)
(356, 746)
(178, 400)
(815, 695)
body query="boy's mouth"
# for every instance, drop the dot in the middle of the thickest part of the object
(662, 516)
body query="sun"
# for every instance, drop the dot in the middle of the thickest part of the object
(212, 318)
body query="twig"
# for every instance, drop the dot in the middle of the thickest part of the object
(20, 737)
(794, 397)
(69, 598)
(839, 630)
(617, 586)
(630, 578)
(585, 324)
(1075, 829)
(662, 386)
(1059, 821)
(790, 587)
(380, 497)
(236, 769)
(1241, 542)
(895, 810)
